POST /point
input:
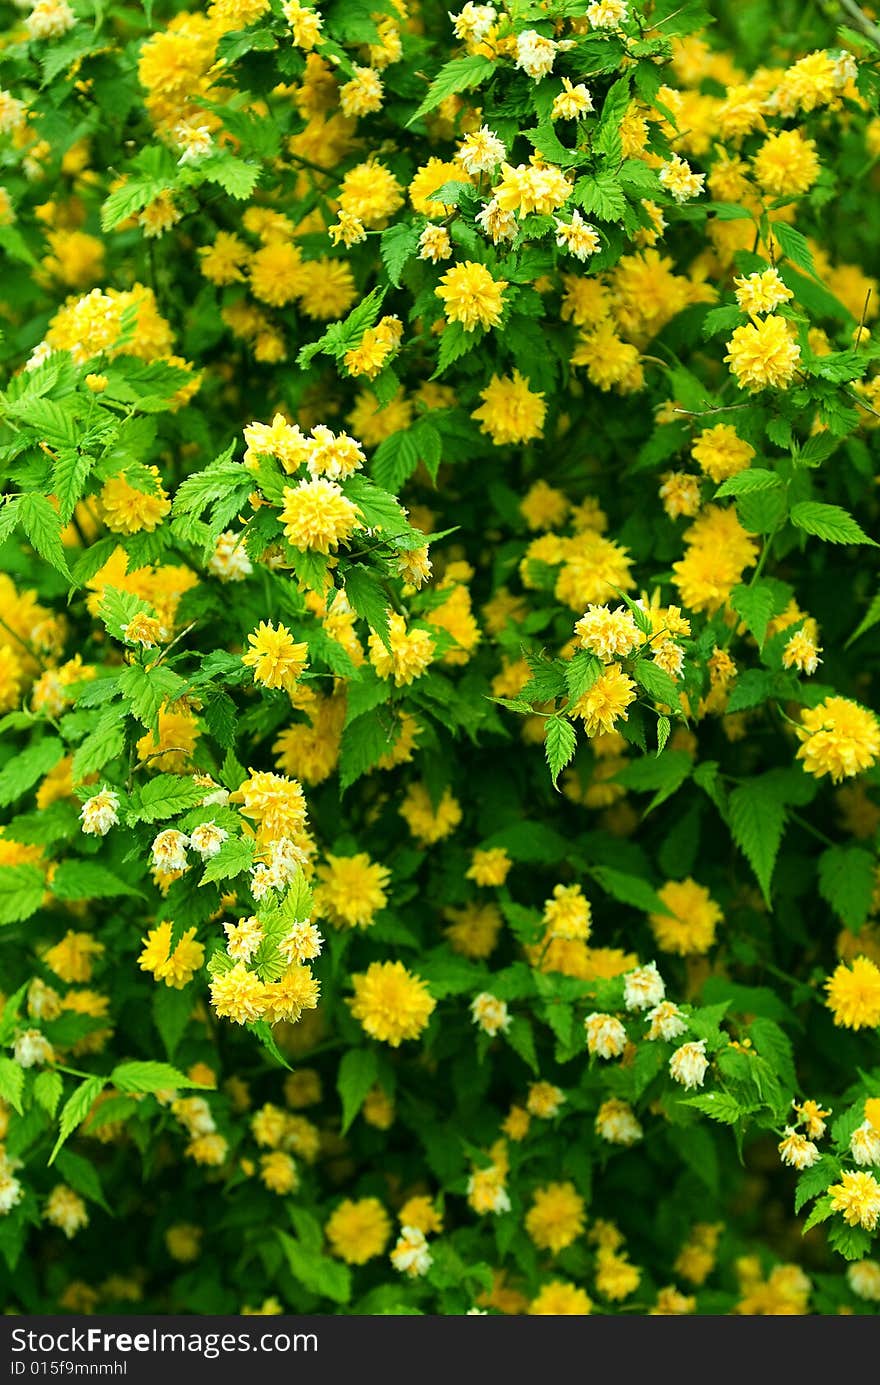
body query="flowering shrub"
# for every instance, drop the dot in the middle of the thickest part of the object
(437, 632)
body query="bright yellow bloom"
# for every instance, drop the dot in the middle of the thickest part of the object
(275, 657)
(391, 1003)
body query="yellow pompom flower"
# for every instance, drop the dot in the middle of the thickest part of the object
(238, 994)
(175, 967)
(391, 1003)
(560, 1299)
(427, 823)
(857, 1196)
(471, 296)
(605, 703)
(127, 510)
(786, 165)
(489, 866)
(690, 924)
(275, 657)
(720, 452)
(839, 737)
(510, 412)
(352, 890)
(854, 994)
(763, 355)
(317, 516)
(358, 1231)
(556, 1217)
(407, 655)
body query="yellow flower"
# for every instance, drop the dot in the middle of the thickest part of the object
(427, 823)
(556, 1217)
(489, 866)
(560, 1299)
(177, 966)
(471, 296)
(510, 412)
(358, 1231)
(129, 510)
(786, 165)
(606, 701)
(407, 655)
(275, 657)
(720, 452)
(431, 176)
(854, 994)
(857, 1196)
(71, 959)
(421, 1213)
(391, 1003)
(238, 994)
(839, 738)
(690, 924)
(278, 1172)
(352, 890)
(317, 516)
(763, 355)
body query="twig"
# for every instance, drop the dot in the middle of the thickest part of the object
(861, 20)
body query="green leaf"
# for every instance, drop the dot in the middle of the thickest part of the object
(48, 1087)
(867, 622)
(458, 75)
(364, 741)
(757, 822)
(81, 1176)
(369, 600)
(847, 876)
(719, 1106)
(316, 1272)
(815, 1180)
(756, 605)
(657, 682)
(69, 474)
(581, 672)
(397, 246)
(89, 880)
(235, 856)
(521, 1038)
(76, 1108)
(23, 771)
(149, 1077)
(146, 690)
(852, 1242)
(794, 247)
(828, 522)
(601, 195)
(235, 176)
(11, 1083)
(165, 797)
(171, 1014)
(560, 743)
(21, 892)
(358, 1072)
(756, 478)
(821, 1212)
(43, 526)
(629, 889)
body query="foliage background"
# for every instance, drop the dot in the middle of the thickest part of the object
(699, 781)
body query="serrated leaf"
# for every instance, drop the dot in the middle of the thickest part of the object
(315, 1271)
(149, 1077)
(560, 743)
(629, 889)
(756, 605)
(756, 478)
(234, 857)
(76, 1108)
(458, 75)
(21, 892)
(757, 822)
(847, 877)
(358, 1072)
(656, 681)
(369, 600)
(42, 524)
(48, 1087)
(11, 1083)
(829, 522)
(165, 796)
(88, 880)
